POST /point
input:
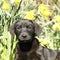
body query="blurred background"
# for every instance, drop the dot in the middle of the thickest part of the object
(45, 12)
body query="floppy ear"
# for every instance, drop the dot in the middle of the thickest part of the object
(38, 29)
(11, 30)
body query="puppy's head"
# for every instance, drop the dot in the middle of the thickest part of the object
(25, 29)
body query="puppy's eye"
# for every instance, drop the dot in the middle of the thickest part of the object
(29, 27)
(19, 28)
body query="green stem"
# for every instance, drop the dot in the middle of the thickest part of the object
(18, 8)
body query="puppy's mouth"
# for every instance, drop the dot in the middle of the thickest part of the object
(24, 39)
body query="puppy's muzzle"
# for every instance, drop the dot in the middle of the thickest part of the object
(24, 36)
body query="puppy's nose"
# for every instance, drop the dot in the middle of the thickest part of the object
(24, 36)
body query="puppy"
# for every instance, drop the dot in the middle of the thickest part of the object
(28, 47)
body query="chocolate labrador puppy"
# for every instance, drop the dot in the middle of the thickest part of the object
(28, 47)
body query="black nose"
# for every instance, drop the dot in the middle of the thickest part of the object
(24, 36)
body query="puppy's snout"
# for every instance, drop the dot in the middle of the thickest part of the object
(24, 35)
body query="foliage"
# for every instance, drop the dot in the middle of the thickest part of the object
(47, 16)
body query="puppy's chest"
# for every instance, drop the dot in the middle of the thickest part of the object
(29, 56)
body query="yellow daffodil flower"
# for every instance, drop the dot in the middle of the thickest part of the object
(6, 6)
(46, 14)
(17, 2)
(43, 9)
(57, 19)
(30, 15)
(56, 26)
(44, 42)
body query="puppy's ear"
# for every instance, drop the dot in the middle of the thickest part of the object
(38, 29)
(11, 30)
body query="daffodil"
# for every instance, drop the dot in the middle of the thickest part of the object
(57, 19)
(6, 6)
(46, 14)
(30, 15)
(17, 2)
(43, 9)
(44, 42)
(56, 26)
